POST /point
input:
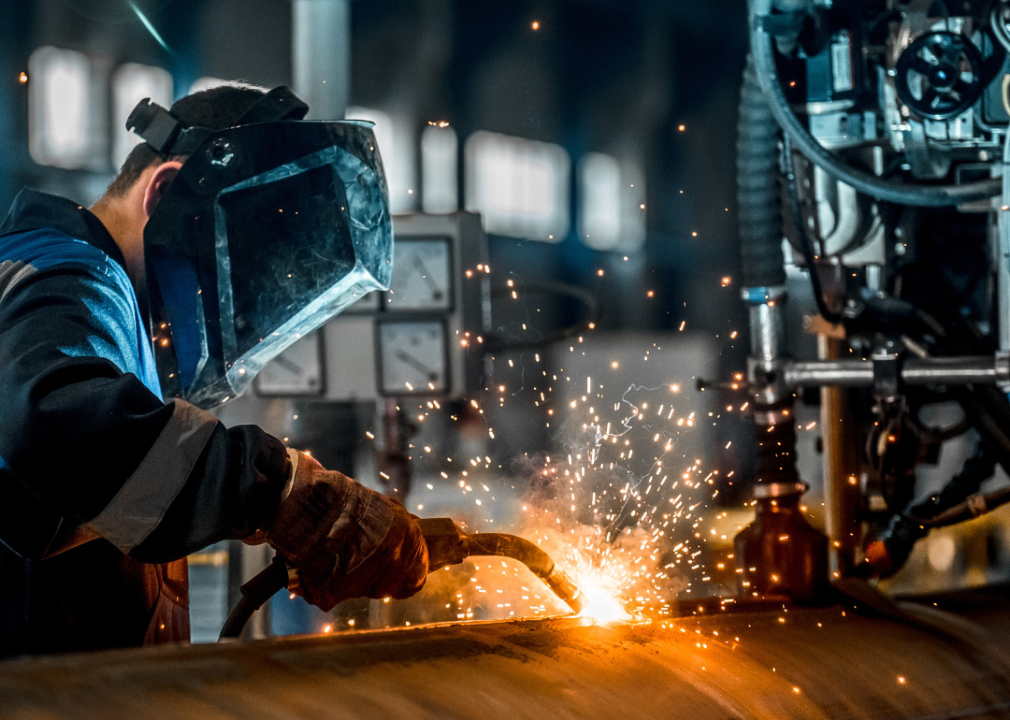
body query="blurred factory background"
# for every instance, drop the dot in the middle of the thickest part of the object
(596, 140)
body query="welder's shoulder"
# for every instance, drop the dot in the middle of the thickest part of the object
(46, 252)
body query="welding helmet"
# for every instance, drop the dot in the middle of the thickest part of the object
(270, 228)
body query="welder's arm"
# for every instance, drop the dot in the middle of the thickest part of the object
(88, 441)
(345, 540)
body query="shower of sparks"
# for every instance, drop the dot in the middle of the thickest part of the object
(619, 503)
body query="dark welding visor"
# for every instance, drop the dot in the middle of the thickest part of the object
(268, 231)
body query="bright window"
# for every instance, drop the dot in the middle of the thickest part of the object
(131, 83)
(519, 186)
(62, 130)
(611, 214)
(439, 170)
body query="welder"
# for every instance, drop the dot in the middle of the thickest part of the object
(236, 227)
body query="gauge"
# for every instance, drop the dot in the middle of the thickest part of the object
(412, 357)
(296, 371)
(421, 275)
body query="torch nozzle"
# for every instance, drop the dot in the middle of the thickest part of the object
(449, 545)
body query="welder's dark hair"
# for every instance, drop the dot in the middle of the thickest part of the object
(216, 108)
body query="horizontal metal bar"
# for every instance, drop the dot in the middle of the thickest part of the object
(829, 372)
(978, 370)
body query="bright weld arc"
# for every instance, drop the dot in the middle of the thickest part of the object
(610, 577)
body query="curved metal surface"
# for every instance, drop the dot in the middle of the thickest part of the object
(779, 663)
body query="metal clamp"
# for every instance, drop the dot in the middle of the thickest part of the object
(1002, 366)
(886, 373)
(768, 490)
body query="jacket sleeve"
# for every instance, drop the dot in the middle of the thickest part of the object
(89, 440)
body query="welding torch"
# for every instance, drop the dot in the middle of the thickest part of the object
(447, 545)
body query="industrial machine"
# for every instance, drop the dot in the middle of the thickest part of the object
(874, 138)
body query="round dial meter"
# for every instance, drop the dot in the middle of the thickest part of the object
(421, 275)
(412, 357)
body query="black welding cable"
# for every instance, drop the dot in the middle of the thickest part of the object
(989, 420)
(806, 246)
(905, 529)
(760, 12)
(988, 410)
(759, 207)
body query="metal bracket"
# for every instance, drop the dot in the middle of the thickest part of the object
(886, 374)
(1002, 367)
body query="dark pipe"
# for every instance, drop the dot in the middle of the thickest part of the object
(757, 181)
(776, 451)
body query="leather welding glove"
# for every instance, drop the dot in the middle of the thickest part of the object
(345, 540)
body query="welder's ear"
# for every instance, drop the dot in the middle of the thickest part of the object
(163, 175)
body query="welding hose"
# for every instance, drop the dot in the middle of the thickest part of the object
(760, 12)
(986, 409)
(757, 178)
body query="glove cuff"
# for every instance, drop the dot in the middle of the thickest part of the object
(309, 508)
(293, 459)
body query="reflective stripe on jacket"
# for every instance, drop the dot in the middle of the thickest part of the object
(88, 449)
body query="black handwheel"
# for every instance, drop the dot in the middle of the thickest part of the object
(939, 75)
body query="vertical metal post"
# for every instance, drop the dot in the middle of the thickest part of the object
(321, 56)
(1003, 253)
(841, 488)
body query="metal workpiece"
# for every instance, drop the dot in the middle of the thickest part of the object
(775, 664)
(970, 370)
